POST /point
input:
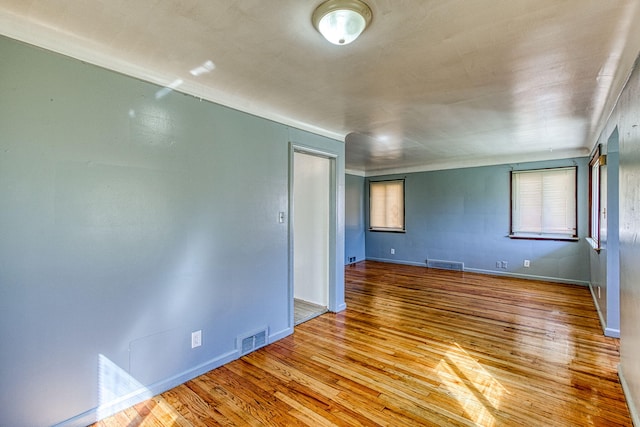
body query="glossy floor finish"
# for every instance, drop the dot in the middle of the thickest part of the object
(418, 346)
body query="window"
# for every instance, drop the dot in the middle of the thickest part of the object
(386, 205)
(596, 161)
(543, 204)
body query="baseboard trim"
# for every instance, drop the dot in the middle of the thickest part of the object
(341, 307)
(597, 304)
(635, 417)
(609, 332)
(529, 276)
(103, 411)
(142, 394)
(395, 261)
(613, 333)
(280, 334)
(491, 272)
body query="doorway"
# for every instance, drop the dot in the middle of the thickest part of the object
(311, 234)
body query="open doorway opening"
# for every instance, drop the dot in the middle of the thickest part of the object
(311, 234)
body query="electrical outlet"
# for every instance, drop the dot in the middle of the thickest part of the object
(527, 263)
(393, 251)
(196, 339)
(498, 264)
(504, 264)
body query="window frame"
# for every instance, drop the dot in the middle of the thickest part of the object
(404, 219)
(542, 236)
(596, 161)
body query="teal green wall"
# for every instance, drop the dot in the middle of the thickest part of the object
(129, 220)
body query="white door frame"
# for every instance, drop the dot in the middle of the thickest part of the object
(333, 224)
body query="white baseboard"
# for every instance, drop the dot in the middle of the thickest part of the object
(490, 272)
(144, 393)
(280, 334)
(528, 276)
(609, 332)
(635, 417)
(603, 323)
(395, 261)
(341, 307)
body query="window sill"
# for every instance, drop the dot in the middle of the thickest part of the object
(543, 237)
(387, 230)
(594, 245)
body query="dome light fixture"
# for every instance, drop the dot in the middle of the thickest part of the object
(341, 21)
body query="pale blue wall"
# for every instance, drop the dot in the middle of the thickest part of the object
(625, 119)
(127, 222)
(605, 271)
(354, 218)
(463, 215)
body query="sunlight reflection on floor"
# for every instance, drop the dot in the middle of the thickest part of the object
(477, 391)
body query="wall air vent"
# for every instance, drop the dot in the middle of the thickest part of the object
(445, 265)
(253, 341)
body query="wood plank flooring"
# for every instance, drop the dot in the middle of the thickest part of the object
(417, 346)
(304, 311)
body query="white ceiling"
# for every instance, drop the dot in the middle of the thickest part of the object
(431, 84)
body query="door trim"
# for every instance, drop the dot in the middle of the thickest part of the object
(333, 224)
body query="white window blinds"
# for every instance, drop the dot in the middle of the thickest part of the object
(594, 200)
(386, 205)
(544, 202)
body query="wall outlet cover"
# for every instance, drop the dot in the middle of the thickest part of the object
(196, 339)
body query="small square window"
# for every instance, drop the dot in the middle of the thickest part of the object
(386, 205)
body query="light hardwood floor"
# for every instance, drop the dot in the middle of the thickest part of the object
(303, 311)
(417, 346)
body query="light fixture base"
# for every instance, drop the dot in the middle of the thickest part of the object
(341, 21)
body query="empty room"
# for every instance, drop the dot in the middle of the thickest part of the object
(316, 213)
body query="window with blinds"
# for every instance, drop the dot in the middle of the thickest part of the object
(386, 205)
(543, 203)
(597, 160)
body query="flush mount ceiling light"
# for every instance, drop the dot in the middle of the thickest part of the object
(341, 21)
